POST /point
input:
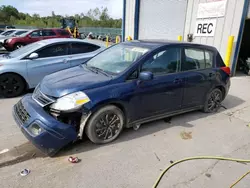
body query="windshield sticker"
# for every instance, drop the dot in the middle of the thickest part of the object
(141, 50)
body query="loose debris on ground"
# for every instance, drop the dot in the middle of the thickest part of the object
(186, 135)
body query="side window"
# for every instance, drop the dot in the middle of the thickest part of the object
(63, 32)
(209, 59)
(52, 51)
(194, 59)
(77, 48)
(48, 33)
(36, 34)
(164, 62)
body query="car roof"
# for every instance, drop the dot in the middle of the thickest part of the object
(55, 40)
(20, 29)
(156, 43)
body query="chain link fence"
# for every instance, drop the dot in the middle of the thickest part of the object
(113, 32)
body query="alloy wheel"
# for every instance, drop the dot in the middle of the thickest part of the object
(10, 86)
(214, 101)
(108, 126)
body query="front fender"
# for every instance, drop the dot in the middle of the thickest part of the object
(15, 69)
(110, 94)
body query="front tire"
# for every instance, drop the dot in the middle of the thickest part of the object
(105, 125)
(213, 101)
(11, 85)
(18, 45)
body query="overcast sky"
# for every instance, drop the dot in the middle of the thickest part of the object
(63, 7)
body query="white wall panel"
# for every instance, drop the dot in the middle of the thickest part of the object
(129, 20)
(226, 25)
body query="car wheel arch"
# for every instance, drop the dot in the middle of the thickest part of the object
(223, 90)
(25, 81)
(116, 103)
(99, 105)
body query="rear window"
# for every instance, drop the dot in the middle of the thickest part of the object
(219, 61)
(48, 33)
(197, 59)
(63, 32)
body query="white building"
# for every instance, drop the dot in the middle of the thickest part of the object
(209, 22)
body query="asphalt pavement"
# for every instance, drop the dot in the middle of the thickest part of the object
(137, 158)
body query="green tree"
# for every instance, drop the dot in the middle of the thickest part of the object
(93, 18)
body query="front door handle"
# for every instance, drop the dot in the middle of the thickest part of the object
(65, 61)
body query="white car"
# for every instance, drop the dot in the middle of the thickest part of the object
(11, 33)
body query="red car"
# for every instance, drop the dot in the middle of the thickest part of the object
(34, 36)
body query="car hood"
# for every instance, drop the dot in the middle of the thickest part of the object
(4, 59)
(72, 80)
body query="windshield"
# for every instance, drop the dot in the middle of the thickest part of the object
(25, 49)
(18, 33)
(117, 58)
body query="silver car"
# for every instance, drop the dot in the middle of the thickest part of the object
(16, 33)
(24, 68)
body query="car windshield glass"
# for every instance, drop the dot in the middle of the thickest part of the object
(25, 49)
(117, 58)
(18, 33)
(24, 34)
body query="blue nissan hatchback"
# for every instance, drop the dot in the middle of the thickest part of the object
(124, 86)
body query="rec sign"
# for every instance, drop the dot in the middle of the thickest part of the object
(205, 28)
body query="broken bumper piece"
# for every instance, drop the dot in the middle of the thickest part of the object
(44, 131)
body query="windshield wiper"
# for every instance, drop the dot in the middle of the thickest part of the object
(6, 55)
(98, 70)
(90, 68)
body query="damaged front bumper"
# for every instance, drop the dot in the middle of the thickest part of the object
(42, 129)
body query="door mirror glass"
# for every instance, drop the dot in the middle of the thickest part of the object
(146, 76)
(33, 56)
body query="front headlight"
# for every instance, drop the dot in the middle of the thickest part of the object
(70, 102)
(9, 40)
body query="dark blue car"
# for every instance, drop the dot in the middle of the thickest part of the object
(124, 86)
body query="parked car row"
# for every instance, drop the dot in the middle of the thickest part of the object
(101, 37)
(123, 86)
(8, 34)
(31, 36)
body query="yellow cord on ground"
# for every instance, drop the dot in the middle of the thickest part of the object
(203, 157)
(242, 177)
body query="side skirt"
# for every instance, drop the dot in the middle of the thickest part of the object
(162, 116)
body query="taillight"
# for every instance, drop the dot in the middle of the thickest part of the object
(226, 70)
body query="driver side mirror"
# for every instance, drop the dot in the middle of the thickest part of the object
(33, 56)
(146, 76)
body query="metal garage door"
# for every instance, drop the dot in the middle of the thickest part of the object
(162, 19)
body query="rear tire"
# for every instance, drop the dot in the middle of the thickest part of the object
(105, 125)
(213, 101)
(11, 85)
